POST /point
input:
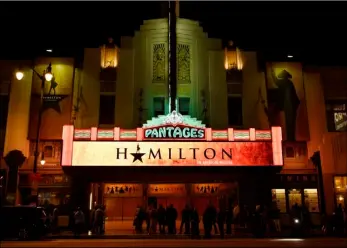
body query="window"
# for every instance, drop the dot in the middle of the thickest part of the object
(336, 116)
(340, 183)
(48, 151)
(234, 111)
(183, 105)
(107, 109)
(290, 153)
(158, 106)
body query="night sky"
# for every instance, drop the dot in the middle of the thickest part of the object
(310, 29)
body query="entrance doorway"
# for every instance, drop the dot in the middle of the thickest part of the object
(120, 208)
(121, 200)
(179, 203)
(167, 194)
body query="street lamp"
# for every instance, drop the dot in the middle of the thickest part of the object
(46, 76)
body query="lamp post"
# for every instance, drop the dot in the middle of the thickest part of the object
(46, 76)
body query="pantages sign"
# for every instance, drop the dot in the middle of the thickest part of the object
(174, 127)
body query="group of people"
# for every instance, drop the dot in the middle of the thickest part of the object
(162, 217)
(165, 220)
(97, 221)
(260, 221)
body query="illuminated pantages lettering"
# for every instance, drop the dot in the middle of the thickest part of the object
(175, 132)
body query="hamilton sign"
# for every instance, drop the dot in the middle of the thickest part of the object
(174, 127)
(189, 153)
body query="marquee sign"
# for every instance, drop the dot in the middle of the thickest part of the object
(174, 126)
(199, 146)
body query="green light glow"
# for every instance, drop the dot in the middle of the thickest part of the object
(187, 120)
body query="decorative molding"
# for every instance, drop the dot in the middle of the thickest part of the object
(159, 63)
(183, 63)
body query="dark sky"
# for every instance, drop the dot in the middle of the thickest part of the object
(288, 27)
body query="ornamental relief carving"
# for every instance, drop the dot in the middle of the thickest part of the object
(159, 60)
(183, 63)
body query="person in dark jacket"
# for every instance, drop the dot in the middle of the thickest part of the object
(171, 217)
(275, 215)
(195, 220)
(161, 219)
(221, 219)
(186, 215)
(209, 219)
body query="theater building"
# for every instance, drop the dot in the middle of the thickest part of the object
(110, 136)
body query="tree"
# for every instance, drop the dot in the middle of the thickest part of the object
(14, 160)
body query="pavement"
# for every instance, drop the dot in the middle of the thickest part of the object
(317, 243)
(124, 230)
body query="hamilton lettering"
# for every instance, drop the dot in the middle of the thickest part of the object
(154, 155)
(174, 132)
(119, 152)
(179, 153)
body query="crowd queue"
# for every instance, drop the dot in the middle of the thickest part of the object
(261, 221)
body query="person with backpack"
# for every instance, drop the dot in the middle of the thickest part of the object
(79, 222)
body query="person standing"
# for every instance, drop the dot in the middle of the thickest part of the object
(153, 221)
(148, 219)
(79, 222)
(195, 220)
(186, 215)
(161, 219)
(171, 217)
(229, 221)
(209, 219)
(99, 220)
(55, 215)
(275, 214)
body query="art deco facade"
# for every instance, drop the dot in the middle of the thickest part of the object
(223, 87)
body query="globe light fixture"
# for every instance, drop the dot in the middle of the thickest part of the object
(43, 161)
(19, 75)
(48, 74)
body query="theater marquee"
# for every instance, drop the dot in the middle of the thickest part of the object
(108, 153)
(172, 140)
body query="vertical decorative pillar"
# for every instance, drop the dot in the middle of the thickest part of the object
(172, 38)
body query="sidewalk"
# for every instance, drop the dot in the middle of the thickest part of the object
(126, 234)
(123, 230)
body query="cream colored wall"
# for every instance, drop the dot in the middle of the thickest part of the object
(151, 32)
(89, 109)
(190, 33)
(217, 91)
(19, 114)
(253, 89)
(125, 105)
(156, 32)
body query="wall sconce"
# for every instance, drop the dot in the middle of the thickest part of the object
(43, 161)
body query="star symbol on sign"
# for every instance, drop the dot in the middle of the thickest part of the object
(137, 156)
